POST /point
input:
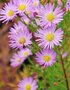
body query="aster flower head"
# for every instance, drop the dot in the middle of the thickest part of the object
(16, 60)
(8, 12)
(36, 7)
(25, 52)
(17, 28)
(46, 57)
(49, 37)
(67, 5)
(21, 39)
(23, 6)
(27, 84)
(49, 16)
(35, 3)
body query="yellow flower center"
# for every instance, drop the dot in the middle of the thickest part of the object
(35, 3)
(25, 54)
(28, 87)
(50, 17)
(22, 7)
(10, 13)
(18, 60)
(47, 58)
(49, 37)
(22, 40)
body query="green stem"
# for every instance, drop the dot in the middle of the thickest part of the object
(28, 17)
(64, 71)
(33, 20)
(65, 75)
(30, 61)
(21, 20)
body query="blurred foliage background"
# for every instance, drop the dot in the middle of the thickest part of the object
(50, 78)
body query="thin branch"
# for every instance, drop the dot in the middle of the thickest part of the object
(64, 71)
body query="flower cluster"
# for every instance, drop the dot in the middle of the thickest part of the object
(47, 36)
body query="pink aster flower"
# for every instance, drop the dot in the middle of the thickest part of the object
(20, 57)
(50, 16)
(8, 12)
(17, 28)
(35, 3)
(67, 5)
(16, 60)
(27, 84)
(23, 6)
(20, 39)
(24, 53)
(49, 37)
(46, 57)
